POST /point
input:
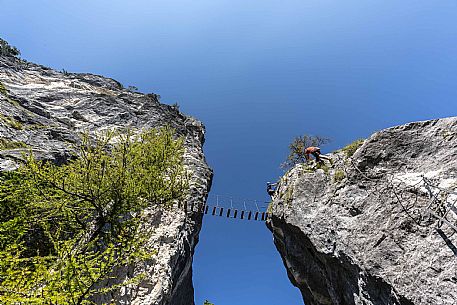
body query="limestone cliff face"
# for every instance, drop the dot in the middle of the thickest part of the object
(362, 233)
(44, 110)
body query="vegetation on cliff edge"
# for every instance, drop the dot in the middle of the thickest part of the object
(350, 149)
(7, 50)
(64, 230)
(297, 149)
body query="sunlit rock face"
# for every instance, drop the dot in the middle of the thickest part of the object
(360, 233)
(45, 110)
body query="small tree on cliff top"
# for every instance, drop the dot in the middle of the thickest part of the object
(297, 149)
(7, 50)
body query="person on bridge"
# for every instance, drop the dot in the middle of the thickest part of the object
(316, 152)
(271, 188)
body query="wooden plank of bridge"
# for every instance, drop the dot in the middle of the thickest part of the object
(230, 212)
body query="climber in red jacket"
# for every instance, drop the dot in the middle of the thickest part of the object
(316, 152)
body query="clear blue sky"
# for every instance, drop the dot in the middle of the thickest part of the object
(257, 73)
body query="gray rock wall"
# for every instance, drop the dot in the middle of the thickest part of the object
(361, 233)
(44, 110)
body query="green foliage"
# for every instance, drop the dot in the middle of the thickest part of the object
(132, 89)
(289, 195)
(8, 144)
(297, 149)
(64, 230)
(3, 90)
(37, 126)
(5, 93)
(323, 166)
(175, 106)
(8, 50)
(338, 176)
(208, 303)
(350, 149)
(10, 121)
(448, 134)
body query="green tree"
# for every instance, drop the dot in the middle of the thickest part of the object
(350, 149)
(132, 89)
(297, 149)
(64, 230)
(8, 50)
(208, 303)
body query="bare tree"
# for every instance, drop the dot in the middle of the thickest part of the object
(297, 149)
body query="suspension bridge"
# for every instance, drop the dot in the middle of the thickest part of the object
(232, 207)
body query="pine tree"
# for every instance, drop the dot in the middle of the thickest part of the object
(65, 229)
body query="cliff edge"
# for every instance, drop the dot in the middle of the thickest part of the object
(44, 110)
(380, 226)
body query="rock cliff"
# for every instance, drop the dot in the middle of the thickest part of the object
(44, 110)
(366, 231)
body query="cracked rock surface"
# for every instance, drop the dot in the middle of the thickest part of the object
(361, 232)
(45, 110)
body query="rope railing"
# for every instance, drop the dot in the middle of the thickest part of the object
(442, 204)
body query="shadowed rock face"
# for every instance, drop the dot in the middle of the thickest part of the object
(361, 233)
(45, 110)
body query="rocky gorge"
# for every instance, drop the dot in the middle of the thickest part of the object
(44, 110)
(379, 226)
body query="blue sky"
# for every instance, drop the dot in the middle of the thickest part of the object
(257, 73)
